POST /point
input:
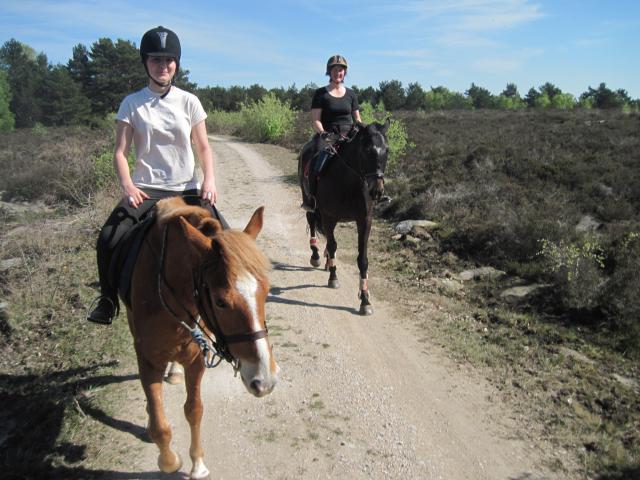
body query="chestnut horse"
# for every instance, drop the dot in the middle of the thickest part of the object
(193, 279)
(349, 187)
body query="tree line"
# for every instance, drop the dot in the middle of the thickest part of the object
(94, 81)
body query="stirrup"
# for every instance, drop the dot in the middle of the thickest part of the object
(99, 316)
(307, 207)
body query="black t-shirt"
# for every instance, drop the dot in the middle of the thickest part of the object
(335, 111)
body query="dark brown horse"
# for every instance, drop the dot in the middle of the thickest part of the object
(194, 280)
(347, 190)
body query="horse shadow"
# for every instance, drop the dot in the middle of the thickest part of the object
(275, 292)
(33, 411)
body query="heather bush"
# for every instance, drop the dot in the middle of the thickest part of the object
(499, 183)
(54, 164)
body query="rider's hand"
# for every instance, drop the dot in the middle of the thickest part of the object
(209, 191)
(324, 135)
(133, 195)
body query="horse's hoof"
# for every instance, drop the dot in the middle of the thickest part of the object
(199, 471)
(171, 466)
(334, 284)
(174, 378)
(366, 310)
(315, 262)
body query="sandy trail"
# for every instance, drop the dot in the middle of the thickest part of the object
(358, 397)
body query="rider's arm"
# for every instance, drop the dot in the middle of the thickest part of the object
(356, 116)
(316, 113)
(205, 156)
(124, 135)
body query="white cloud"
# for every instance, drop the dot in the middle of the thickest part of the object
(477, 15)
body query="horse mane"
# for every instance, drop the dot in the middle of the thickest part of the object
(239, 253)
(173, 207)
(237, 250)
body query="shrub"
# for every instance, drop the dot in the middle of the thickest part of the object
(396, 135)
(225, 123)
(578, 269)
(267, 120)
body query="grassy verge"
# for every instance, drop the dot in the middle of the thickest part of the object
(61, 380)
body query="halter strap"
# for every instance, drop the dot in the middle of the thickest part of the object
(221, 342)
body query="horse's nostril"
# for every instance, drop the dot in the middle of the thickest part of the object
(256, 386)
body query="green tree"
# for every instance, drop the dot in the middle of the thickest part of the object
(504, 102)
(480, 97)
(7, 120)
(64, 104)
(366, 95)
(531, 97)
(563, 101)
(255, 93)
(392, 95)
(436, 98)
(542, 101)
(550, 89)
(605, 98)
(302, 102)
(25, 71)
(415, 98)
(510, 91)
(114, 70)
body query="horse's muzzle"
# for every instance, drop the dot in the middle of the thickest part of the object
(376, 188)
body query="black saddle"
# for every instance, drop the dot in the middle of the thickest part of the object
(125, 255)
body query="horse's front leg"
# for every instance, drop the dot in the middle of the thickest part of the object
(158, 427)
(364, 229)
(313, 240)
(329, 227)
(193, 412)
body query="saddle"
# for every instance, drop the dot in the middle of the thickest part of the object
(125, 255)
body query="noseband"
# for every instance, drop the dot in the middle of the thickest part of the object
(213, 350)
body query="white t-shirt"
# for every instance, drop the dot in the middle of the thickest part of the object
(162, 137)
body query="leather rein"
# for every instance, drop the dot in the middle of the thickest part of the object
(213, 350)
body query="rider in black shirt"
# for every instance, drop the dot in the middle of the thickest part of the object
(334, 110)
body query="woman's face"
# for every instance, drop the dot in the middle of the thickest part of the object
(337, 73)
(162, 69)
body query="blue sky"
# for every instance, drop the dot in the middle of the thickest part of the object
(572, 44)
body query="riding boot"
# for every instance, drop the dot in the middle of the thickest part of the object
(309, 203)
(106, 304)
(318, 162)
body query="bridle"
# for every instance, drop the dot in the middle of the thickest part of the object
(213, 350)
(361, 172)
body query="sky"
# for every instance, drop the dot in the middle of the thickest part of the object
(574, 44)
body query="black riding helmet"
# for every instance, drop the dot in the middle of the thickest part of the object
(160, 42)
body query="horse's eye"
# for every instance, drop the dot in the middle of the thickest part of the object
(220, 303)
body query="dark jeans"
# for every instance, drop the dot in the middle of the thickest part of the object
(124, 216)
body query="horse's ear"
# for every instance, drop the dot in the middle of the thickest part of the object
(195, 236)
(386, 126)
(255, 224)
(210, 227)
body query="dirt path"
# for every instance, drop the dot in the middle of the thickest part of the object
(358, 397)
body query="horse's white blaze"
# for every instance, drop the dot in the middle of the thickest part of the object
(379, 150)
(247, 286)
